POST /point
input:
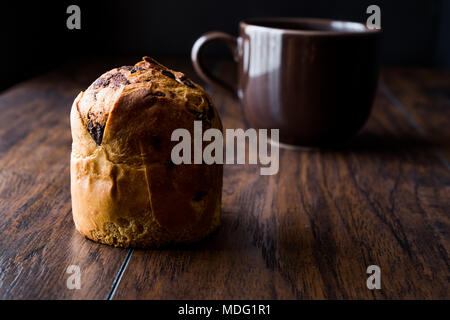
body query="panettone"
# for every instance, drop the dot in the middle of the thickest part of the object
(126, 191)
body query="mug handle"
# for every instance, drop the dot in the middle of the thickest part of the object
(199, 66)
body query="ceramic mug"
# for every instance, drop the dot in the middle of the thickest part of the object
(313, 79)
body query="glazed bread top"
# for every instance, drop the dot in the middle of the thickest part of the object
(132, 106)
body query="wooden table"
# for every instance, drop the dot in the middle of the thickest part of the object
(308, 232)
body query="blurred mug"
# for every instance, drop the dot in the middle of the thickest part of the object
(313, 79)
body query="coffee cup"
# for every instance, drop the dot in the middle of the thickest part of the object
(313, 79)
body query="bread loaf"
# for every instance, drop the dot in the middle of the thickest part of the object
(125, 189)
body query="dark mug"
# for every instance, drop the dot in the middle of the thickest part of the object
(313, 79)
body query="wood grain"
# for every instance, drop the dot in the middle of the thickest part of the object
(308, 232)
(311, 231)
(424, 95)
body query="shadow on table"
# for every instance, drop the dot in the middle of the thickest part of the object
(384, 144)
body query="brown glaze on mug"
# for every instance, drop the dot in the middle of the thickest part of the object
(313, 79)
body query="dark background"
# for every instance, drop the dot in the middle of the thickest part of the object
(35, 37)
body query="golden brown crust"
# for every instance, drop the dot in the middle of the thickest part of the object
(125, 189)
